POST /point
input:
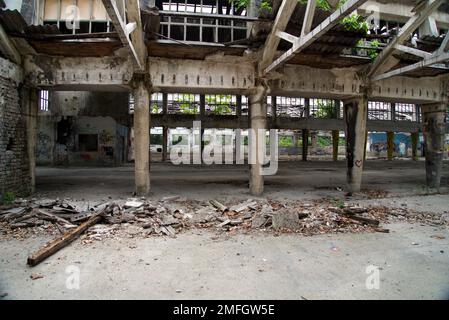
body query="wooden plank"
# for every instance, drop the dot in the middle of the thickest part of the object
(413, 23)
(316, 33)
(55, 245)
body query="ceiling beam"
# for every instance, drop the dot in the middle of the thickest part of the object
(135, 42)
(413, 51)
(311, 37)
(280, 24)
(413, 23)
(286, 36)
(308, 17)
(445, 44)
(439, 58)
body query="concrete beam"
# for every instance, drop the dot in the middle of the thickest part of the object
(283, 123)
(428, 62)
(398, 11)
(285, 11)
(196, 76)
(306, 40)
(76, 74)
(412, 24)
(134, 44)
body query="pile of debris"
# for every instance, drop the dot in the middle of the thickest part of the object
(171, 215)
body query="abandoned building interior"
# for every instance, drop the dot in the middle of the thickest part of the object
(251, 149)
(110, 83)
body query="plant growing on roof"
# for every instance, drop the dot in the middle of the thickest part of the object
(265, 5)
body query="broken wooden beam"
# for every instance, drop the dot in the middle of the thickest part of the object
(218, 205)
(57, 244)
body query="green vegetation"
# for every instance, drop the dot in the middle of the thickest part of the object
(186, 103)
(326, 110)
(355, 22)
(265, 5)
(222, 103)
(286, 141)
(339, 203)
(8, 197)
(156, 139)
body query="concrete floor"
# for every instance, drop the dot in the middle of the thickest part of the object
(412, 265)
(295, 180)
(413, 259)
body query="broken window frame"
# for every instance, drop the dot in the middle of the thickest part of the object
(59, 20)
(219, 23)
(44, 100)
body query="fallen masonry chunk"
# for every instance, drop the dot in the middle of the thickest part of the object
(286, 219)
(170, 198)
(258, 221)
(218, 205)
(168, 230)
(236, 222)
(221, 225)
(59, 243)
(243, 206)
(133, 204)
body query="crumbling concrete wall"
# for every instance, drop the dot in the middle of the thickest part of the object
(72, 114)
(14, 167)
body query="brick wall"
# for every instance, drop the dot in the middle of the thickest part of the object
(14, 166)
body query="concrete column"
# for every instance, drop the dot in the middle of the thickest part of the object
(390, 145)
(202, 115)
(32, 106)
(258, 119)
(335, 144)
(355, 115)
(164, 129)
(393, 111)
(142, 139)
(305, 144)
(415, 139)
(434, 133)
(238, 132)
(164, 143)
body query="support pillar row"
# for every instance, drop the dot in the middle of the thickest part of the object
(258, 121)
(355, 116)
(142, 139)
(434, 133)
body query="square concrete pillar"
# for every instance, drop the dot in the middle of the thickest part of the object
(258, 125)
(142, 138)
(31, 100)
(355, 116)
(434, 130)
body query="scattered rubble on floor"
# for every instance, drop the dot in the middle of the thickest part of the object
(171, 215)
(140, 217)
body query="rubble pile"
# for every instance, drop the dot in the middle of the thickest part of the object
(171, 215)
